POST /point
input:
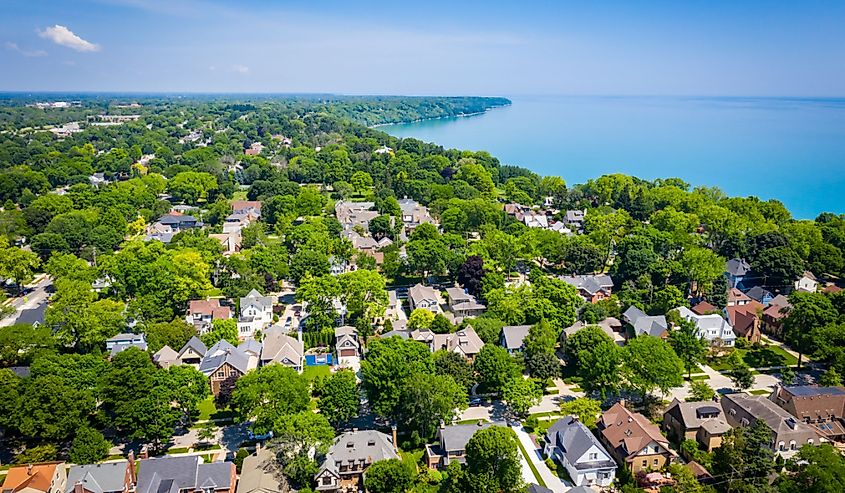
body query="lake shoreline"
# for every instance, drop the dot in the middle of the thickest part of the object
(459, 115)
(744, 146)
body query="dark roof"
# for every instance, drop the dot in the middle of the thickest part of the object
(757, 293)
(167, 474)
(32, 315)
(456, 437)
(574, 439)
(808, 390)
(536, 488)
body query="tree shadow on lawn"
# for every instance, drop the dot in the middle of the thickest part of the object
(764, 357)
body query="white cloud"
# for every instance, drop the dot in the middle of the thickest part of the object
(28, 53)
(241, 69)
(65, 37)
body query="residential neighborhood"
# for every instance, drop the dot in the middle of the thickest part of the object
(312, 308)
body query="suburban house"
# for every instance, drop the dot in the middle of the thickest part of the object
(124, 341)
(575, 220)
(349, 457)
(735, 270)
(426, 297)
(593, 288)
(821, 407)
(713, 328)
(745, 319)
(201, 313)
(43, 477)
(185, 475)
(33, 316)
(633, 440)
(575, 447)
(414, 214)
(701, 421)
(178, 221)
(451, 443)
(257, 474)
(107, 477)
(705, 308)
(512, 337)
(807, 282)
(774, 314)
(256, 314)
(281, 348)
(655, 326)
(788, 433)
(464, 341)
(610, 326)
(351, 214)
(394, 309)
(463, 304)
(346, 344)
(738, 298)
(191, 354)
(253, 206)
(224, 364)
(760, 295)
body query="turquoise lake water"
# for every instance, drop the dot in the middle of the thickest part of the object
(789, 149)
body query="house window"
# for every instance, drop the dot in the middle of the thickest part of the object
(810, 441)
(792, 445)
(327, 480)
(781, 446)
(594, 456)
(645, 462)
(655, 462)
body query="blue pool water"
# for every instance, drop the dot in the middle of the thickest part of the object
(790, 149)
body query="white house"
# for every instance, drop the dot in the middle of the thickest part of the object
(256, 314)
(710, 327)
(807, 282)
(572, 444)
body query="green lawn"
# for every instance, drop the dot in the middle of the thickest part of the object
(312, 372)
(239, 195)
(760, 392)
(207, 410)
(762, 357)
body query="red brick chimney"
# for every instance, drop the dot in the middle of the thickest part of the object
(77, 487)
(132, 476)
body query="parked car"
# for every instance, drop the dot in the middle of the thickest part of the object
(262, 436)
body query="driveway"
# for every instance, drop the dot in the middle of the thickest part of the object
(553, 482)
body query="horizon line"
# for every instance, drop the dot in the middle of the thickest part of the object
(321, 93)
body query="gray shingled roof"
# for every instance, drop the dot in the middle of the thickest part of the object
(455, 437)
(737, 267)
(167, 474)
(515, 335)
(224, 352)
(97, 478)
(196, 344)
(645, 324)
(589, 283)
(574, 440)
(368, 445)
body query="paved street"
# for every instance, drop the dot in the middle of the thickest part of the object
(535, 455)
(722, 383)
(30, 300)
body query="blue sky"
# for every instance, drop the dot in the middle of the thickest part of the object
(750, 48)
